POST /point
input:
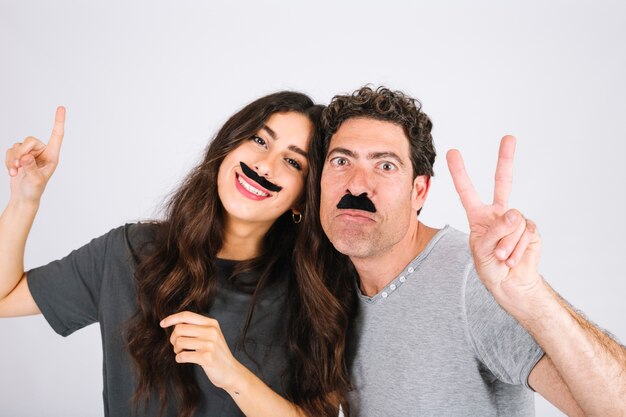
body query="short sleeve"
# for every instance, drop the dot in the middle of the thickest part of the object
(502, 345)
(67, 291)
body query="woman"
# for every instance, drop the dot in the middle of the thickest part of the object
(209, 285)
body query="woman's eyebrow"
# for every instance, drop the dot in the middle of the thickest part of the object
(298, 150)
(292, 148)
(270, 132)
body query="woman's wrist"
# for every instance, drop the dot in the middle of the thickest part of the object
(25, 204)
(242, 379)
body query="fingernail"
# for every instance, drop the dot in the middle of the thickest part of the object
(161, 323)
(510, 263)
(501, 254)
(12, 172)
(511, 217)
(16, 162)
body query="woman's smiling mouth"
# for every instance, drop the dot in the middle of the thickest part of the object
(249, 190)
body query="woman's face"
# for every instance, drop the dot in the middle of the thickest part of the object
(264, 176)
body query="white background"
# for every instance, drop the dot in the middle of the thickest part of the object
(147, 83)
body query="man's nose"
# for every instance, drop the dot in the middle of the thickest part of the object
(359, 182)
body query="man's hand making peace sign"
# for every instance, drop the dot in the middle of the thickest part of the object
(583, 371)
(506, 247)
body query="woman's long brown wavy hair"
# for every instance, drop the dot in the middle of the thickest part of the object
(177, 274)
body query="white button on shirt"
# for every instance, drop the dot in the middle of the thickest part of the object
(384, 294)
(402, 278)
(392, 287)
(411, 269)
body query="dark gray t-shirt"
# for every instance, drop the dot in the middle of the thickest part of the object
(96, 284)
(434, 342)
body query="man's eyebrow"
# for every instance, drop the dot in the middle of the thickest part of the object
(270, 131)
(342, 151)
(372, 155)
(383, 155)
(298, 150)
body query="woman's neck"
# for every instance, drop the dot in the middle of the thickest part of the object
(242, 240)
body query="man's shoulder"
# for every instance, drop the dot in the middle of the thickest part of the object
(450, 242)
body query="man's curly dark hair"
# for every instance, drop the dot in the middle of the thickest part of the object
(386, 105)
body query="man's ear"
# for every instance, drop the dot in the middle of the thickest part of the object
(421, 185)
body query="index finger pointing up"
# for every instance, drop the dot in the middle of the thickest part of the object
(58, 130)
(462, 183)
(504, 172)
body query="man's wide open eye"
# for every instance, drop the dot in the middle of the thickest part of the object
(338, 161)
(387, 166)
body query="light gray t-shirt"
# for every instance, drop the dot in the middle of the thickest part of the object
(434, 342)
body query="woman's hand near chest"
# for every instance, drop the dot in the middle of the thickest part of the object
(199, 339)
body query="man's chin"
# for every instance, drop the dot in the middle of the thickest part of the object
(353, 246)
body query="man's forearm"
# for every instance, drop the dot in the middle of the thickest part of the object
(592, 364)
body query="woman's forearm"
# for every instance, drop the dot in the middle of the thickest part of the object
(256, 399)
(199, 339)
(30, 164)
(15, 224)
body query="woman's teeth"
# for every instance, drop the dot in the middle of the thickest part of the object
(251, 188)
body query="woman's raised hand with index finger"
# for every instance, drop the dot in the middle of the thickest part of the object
(31, 163)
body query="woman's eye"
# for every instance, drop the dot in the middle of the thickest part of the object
(294, 163)
(259, 140)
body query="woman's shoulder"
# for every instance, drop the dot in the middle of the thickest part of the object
(140, 237)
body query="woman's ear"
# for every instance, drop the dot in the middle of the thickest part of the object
(296, 215)
(300, 205)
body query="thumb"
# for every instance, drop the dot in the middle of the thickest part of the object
(28, 164)
(504, 228)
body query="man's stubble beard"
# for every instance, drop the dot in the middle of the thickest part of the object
(362, 244)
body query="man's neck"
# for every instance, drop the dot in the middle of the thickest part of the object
(375, 273)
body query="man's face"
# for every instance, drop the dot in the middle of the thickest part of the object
(369, 157)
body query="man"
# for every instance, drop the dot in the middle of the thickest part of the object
(447, 328)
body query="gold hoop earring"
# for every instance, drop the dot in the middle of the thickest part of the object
(296, 217)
